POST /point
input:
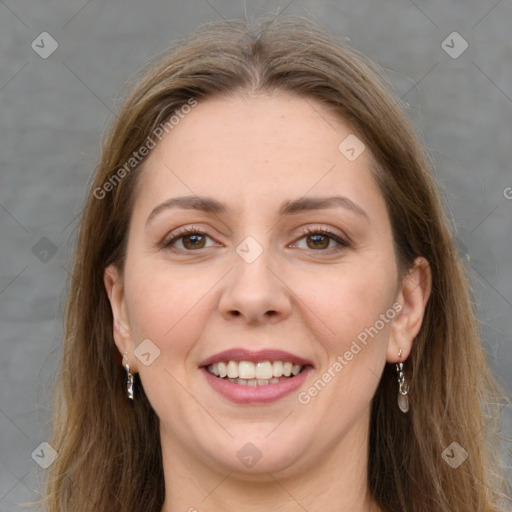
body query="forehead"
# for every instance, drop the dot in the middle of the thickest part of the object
(255, 149)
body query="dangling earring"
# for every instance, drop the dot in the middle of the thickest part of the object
(403, 387)
(129, 377)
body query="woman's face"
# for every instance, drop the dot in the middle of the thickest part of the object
(260, 286)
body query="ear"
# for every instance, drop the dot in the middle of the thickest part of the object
(121, 325)
(412, 295)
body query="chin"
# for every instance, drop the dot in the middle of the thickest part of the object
(254, 451)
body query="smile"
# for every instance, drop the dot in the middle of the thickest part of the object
(244, 376)
(248, 373)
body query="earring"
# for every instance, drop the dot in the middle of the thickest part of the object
(129, 377)
(403, 387)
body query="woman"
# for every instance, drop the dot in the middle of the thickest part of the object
(267, 310)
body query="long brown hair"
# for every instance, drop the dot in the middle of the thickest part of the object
(109, 454)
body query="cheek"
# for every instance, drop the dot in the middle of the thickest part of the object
(343, 303)
(169, 309)
(165, 306)
(351, 322)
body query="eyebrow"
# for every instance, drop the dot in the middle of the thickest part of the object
(290, 207)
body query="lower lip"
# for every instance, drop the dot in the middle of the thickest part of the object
(269, 393)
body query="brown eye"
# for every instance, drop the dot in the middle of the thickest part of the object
(190, 239)
(194, 241)
(318, 241)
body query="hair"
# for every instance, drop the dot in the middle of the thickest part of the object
(109, 453)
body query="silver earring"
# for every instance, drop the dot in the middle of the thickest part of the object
(403, 387)
(129, 377)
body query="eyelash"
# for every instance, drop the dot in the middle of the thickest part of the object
(342, 243)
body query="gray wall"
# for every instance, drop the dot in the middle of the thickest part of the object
(53, 111)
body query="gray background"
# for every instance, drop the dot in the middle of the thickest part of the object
(53, 112)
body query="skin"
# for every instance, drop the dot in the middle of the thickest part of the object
(252, 153)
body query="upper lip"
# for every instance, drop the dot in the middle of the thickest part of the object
(242, 354)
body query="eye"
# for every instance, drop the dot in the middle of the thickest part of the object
(190, 239)
(320, 239)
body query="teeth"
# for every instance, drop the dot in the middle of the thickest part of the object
(232, 370)
(264, 370)
(277, 368)
(247, 373)
(223, 371)
(246, 370)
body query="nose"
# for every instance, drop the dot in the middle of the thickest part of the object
(256, 290)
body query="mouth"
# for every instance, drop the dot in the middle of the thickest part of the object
(246, 377)
(261, 373)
